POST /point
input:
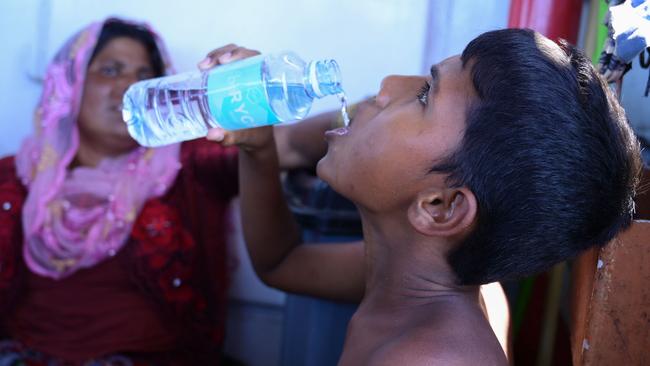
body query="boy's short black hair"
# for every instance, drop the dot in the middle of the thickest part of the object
(114, 28)
(548, 153)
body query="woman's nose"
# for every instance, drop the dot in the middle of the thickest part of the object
(123, 83)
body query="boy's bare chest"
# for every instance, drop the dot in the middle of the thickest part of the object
(359, 350)
(366, 343)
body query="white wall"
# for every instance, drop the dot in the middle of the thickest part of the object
(369, 39)
(453, 23)
(19, 93)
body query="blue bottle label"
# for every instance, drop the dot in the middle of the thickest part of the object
(236, 95)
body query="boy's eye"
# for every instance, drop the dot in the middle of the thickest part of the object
(423, 94)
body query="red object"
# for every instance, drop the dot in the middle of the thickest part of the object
(553, 18)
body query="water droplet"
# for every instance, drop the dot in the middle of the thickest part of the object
(344, 109)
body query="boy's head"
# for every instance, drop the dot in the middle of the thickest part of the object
(547, 152)
(515, 155)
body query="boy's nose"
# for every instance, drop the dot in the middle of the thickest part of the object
(385, 89)
(394, 87)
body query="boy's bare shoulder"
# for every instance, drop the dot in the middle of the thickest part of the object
(426, 347)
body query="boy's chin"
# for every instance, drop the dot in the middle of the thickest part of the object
(326, 171)
(321, 169)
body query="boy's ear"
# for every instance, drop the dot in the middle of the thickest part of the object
(444, 213)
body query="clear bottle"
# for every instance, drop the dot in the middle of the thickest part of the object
(253, 92)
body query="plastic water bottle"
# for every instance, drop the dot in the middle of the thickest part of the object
(253, 92)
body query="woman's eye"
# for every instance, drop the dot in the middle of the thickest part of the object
(423, 94)
(109, 71)
(144, 75)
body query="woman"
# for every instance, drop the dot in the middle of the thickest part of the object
(110, 252)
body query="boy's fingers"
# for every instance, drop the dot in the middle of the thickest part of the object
(216, 134)
(223, 137)
(224, 55)
(238, 54)
(212, 58)
(228, 140)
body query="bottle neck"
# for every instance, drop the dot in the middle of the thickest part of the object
(322, 78)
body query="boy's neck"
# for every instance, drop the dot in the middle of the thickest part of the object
(413, 306)
(405, 268)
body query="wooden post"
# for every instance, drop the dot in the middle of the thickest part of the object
(611, 301)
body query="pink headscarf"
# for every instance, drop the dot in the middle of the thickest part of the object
(76, 218)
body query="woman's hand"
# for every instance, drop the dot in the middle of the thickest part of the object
(247, 139)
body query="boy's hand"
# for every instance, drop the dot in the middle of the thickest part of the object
(225, 55)
(250, 139)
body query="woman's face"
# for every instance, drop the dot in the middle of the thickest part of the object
(119, 64)
(383, 158)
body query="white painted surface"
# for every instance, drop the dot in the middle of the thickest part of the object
(369, 39)
(453, 23)
(18, 29)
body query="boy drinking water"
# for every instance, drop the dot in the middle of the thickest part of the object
(498, 164)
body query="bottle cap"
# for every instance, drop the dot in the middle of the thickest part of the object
(325, 77)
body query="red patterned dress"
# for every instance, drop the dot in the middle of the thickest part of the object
(161, 300)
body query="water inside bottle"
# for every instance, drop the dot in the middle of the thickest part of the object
(344, 108)
(158, 116)
(168, 115)
(289, 102)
